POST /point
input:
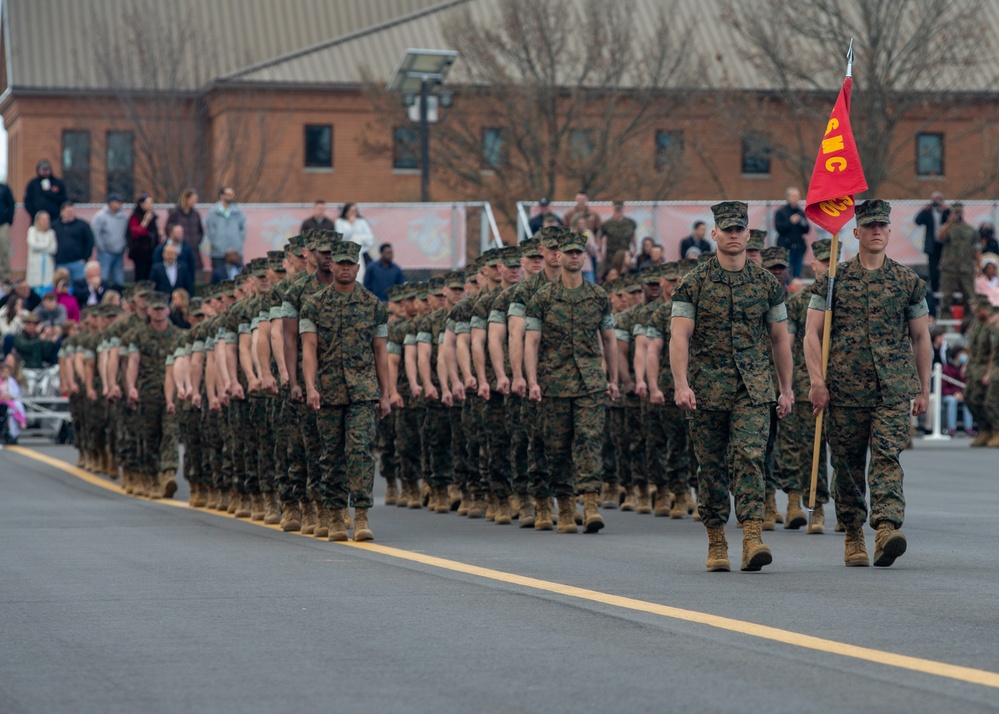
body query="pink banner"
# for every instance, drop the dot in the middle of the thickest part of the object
(424, 236)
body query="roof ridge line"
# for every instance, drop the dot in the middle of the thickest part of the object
(326, 44)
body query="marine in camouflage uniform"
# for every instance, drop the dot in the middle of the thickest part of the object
(414, 421)
(616, 452)
(879, 359)
(436, 424)
(407, 439)
(669, 436)
(344, 330)
(150, 394)
(647, 459)
(991, 375)
(567, 322)
(507, 444)
(451, 386)
(388, 458)
(723, 324)
(960, 251)
(797, 430)
(979, 363)
(531, 411)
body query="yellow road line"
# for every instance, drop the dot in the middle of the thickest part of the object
(787, 637)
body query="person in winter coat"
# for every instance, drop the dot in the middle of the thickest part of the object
(41, 252)
(143, 235)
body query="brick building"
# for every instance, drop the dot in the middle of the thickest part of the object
(276, 98)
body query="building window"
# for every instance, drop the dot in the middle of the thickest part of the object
(581, 143)
(669, 148)
(121, 164)
(76, 165)
(756, 152)
(929, 155)
(405, 148)
(318, 146)
(492, 148)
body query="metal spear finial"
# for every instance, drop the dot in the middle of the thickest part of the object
(849, 59)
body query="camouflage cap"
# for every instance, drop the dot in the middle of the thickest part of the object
(685, 265)
(435, 286)
(258, 267)
(530, 248)
(822, 249)
(510, 256)
(345, 251)
(158, 301)
(731, 214)
(112, 311)
(490, 258)
(422, 289)
(308, 238)
(323, 241)
(570, 240)
(980, 301)
(275, 260)
(631, 284)
(774, 257)
(649, 275)
(670, 271)
(757, 239)
(549, 235)
(705, 257)
(142, 287)
(472, 268)
(454, 279)
(89, 311)
(876, 210)
(612, 286)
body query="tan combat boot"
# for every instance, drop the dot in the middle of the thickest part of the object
(679, 510)
(454, 497)
(443, 500)
(291, 517)
(127, 484)
(543, 519)
(514, 505)
(310, 516)
(854, 549)
(491, 508)
(432, 499)
(226, 498)
(663, 502)
(567, 516)
(212, 496)
(361, 529)
(770, 512)
(166, 484)
(754, 553)
(982, 439)
(391, 492)
(402, 499)
(322, 522)
(257, 506)
(818, 524)
(241, 506)
(630, 499)
(717, 551)
(592, 520)
(889, 544)
(477, 507)
(993, 440)
(526, 517)
(608, 495)
(415, 496)
(272, 509)
(502, 512)
(338, 525)
(643, 503)
(796, 517)
(464, 503)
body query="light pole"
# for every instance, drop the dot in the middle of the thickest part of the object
(423, 71)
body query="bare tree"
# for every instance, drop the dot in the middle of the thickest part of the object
(911, 56)
(162, 82)
(567, 91)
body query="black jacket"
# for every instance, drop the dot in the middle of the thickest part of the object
(81, 291)
(184, 278)
(6, 205)
(925, 218)
(791, 235)
(37, 199)
(74, 241)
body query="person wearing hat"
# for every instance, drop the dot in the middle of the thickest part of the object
(567, 321)
(979, 365)
(110, 364)
(530, 261)
(754, 248)
(728, 317)
(531, 412)
(795, 435)
(960, 252)
(151, 396)
(988, 282)
(618, 233)
(406, 437)
(879, 361)
(344, 329)
(110, 228)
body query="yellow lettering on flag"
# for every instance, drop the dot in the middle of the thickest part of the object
(832, 145)
(836, 163)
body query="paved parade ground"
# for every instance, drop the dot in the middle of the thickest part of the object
(114, 604)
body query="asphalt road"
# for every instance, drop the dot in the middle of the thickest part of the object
(113, 604)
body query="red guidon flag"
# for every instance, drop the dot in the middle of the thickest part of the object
(838, 174)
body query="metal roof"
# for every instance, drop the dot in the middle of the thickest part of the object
(49, 43)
